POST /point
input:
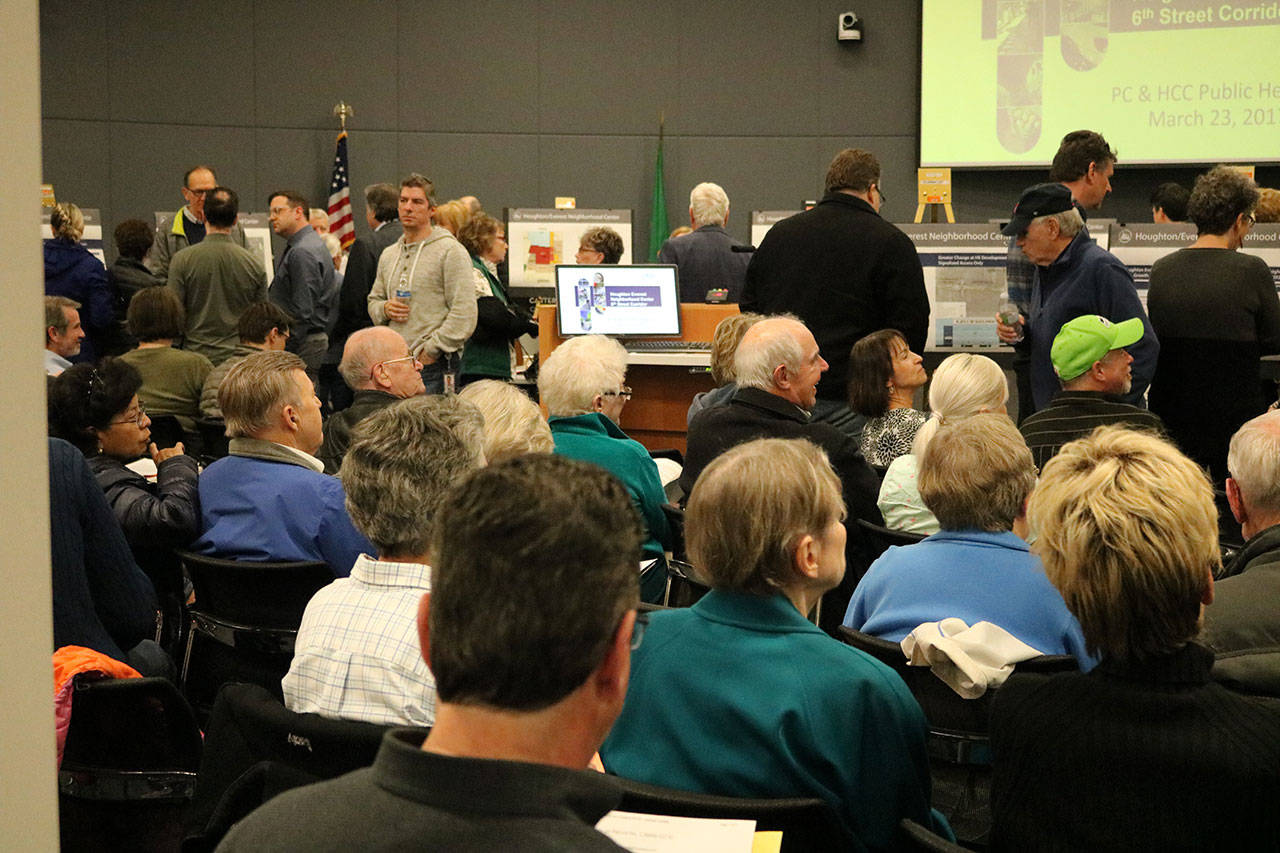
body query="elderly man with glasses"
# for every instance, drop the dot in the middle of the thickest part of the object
(378, 367)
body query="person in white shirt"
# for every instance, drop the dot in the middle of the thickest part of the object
(357, 655)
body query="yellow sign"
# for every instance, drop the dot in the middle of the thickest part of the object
(566, 202)
(1247, 170)
(46, 196)
(934, 186)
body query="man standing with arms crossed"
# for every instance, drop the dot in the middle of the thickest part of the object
(424, 289)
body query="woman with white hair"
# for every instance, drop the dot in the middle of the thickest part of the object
(70, 270)
(1145, 751)
(963, 385)
(513, 423)
(582, 387)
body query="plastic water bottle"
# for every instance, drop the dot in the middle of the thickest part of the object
(1009, 314)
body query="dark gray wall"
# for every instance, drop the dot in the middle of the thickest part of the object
(514, 103)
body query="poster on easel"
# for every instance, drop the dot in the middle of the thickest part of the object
(540, 238)
(964, 275)
(1140, 246)
(257, 236)
(92, 237)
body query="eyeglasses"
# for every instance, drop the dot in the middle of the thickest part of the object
(383, 364)
(198, 192)
(624, 392)
(880, 192)
(137, 419)
(1250, 219)
(637, 631)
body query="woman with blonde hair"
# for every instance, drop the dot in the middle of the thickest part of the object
(452, 215)
(1145, 751)
(963, 385)
(70, 270)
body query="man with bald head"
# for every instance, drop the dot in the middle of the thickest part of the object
(778, 366)
(377, 366)
(186, 227)
(1242, 626)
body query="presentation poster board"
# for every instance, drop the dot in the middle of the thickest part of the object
(540, 238)
(1140, 246)
(257, 235)
(763, 220)
(92, 237)
(964, 274)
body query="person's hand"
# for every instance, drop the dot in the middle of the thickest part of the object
(159, 456)
(396, 310)
(1010, 334)
(425, 359)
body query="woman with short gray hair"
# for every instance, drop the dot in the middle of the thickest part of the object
(582, 386)
(1216, 313)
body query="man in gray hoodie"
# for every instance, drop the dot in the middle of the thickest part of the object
(424, 288)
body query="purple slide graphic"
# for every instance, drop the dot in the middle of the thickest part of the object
(633, 297)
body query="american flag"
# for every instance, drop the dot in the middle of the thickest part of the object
(341, 225)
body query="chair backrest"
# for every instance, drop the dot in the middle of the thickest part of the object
(213, 439)
(166, 431)
(131, 724)
(917, 837)
(675, 520)
(249, 725)
(806, 823)
(267, 595)
(886, 537)
(682, 589)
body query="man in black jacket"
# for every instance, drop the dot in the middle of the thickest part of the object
(382, 213)
(846, 273)
(778, 367)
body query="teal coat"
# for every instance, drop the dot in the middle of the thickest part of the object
(594, 438)
(742, 696)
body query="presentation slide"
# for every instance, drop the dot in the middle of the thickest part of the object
(763, 220)
(618, 300)
(1166, 81)
(92, 237)
(257, 236)
(964, 276)
(540, 238)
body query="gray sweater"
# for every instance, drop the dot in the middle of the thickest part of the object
(442, 309)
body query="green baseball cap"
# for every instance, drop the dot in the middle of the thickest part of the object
(1084, 340)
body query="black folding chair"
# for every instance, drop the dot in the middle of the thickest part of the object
(244, 621)
(250, 728)
(806, 823)
(128, 766)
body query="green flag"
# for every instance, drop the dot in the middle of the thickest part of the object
(658, 219)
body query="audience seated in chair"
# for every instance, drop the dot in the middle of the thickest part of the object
(740, 695)
(964, 385)
(97, 409)
(1090, 360)
(101, 599)
(582, 386)
(356, 656)
(262, 327)
(1145, 751)
(527, 629)
(172, 379)
(975, 478)
(1242, 626)
(724, 344)
(377, 366)
(269, 500)
(513, 423)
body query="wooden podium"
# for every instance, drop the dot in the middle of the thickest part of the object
(663, 383)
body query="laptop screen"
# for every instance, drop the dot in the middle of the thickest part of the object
(618, 299)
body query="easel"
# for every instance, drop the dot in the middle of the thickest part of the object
(933, 190)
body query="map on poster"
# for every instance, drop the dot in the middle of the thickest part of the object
(257, 236)
(92, 237)
(540, 238)
(965, 279)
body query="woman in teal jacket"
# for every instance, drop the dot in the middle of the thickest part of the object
(742, 696)
(582, 387)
